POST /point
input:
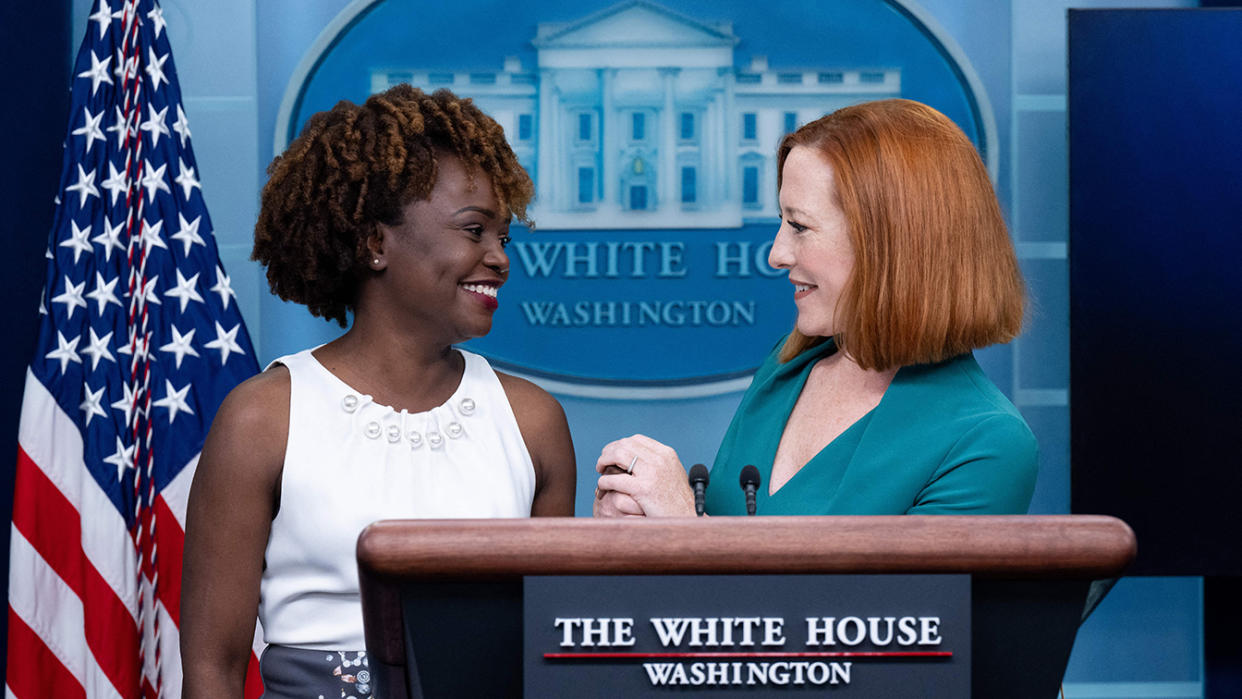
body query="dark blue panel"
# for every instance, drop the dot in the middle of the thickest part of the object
(1155, 292)
(34, 49)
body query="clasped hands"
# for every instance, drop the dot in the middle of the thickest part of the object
(655, 486)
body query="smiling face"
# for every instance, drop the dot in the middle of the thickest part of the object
(813, 242)
(443, 265)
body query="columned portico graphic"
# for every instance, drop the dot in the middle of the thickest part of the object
(636, 117)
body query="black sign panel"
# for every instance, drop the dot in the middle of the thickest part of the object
(758, 635)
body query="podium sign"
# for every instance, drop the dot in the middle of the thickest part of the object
(448, 604)
(757, 635)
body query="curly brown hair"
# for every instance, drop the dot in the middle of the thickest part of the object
(356, 166)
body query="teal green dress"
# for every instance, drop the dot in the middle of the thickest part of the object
(943, 440)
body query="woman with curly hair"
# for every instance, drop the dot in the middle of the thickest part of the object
(397, 212)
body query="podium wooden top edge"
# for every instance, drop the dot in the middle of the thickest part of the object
(1026, 546)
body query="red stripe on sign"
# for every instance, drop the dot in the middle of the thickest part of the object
(749, 656)
(53, 527)
(33, 670)
(171, 542)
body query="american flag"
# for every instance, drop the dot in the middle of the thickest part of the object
(140, 339)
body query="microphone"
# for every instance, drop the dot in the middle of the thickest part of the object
(750, 483)
(698, 481)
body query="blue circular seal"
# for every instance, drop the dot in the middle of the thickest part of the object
(650, 130)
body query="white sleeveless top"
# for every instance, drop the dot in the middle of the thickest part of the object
(350, 461)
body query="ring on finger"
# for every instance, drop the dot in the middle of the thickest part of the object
(630, 469)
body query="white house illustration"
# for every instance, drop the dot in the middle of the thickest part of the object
(636, 117)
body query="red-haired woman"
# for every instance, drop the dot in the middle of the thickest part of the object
(901, 265)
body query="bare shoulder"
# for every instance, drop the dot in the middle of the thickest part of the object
(251, 427)
(530, 401)
(257, 404)
(545, 430)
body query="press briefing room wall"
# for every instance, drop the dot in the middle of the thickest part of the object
(237, 57)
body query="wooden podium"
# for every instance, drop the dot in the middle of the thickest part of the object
(442, 591)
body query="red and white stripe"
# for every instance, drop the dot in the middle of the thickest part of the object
(73, 611)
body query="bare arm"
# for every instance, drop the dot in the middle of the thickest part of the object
(542, 422)
(232, 502)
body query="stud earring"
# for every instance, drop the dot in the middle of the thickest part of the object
(375, 261)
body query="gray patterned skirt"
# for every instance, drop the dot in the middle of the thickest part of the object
(300, 673)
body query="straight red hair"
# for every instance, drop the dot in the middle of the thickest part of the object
(935, 274)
